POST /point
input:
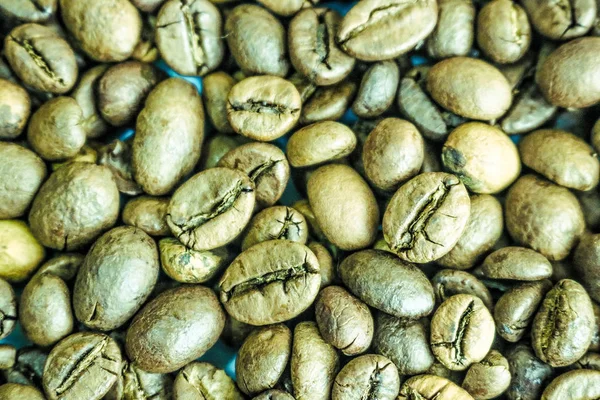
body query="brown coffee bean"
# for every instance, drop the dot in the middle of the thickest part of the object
(561, 157)
(189, 36)
(64, 265)
(319, 143)
(16, 107)
(263, 108)
(448, 283)
(83, 365)
(562, 327)
(569, 76)
(257, 54)
(41, 58)
(377, 89)
(462, 332)
(376, 30)
(175, 328)
(203, 379)
(168, 138)
(578, 384)
(134, 381)
(149, 214)
(372, 374)
(515, 263)
(186, 265)
(328, 103)
(106, 31)
(532, 220)
(454, 32)
(561, 20)
(276, 223)
(87, 188)
(395, 286)
(314, 363)
(426, 217)
(432, 387)
(262, 358)
(215, 89)
(489, 378)
(348, 218)
(271, 282)
(211, 208)
(470, 88)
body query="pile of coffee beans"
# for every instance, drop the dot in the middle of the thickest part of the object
(377, 200)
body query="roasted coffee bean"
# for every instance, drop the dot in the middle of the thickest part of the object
(188, 315)
(532, 220)
(448, 283)
(148, 214)
(189, 36)
(83, 365)
(377, 89)
(455, 29)
(489, 378)
(515, 263)
(134, 382)
(376, 30)
(41, 58)
(426, 217)
(530, 110)
(16, 107)
(21, 253)
(529, 374)
(394, 286)
(276, 223)
(462, 331)
(117, 156)
(578, 384)
(367, 376)
(168, 138)
(211, 208)
(328, 103)
(287, 8)
(262, 358)
(313, 50)
(186, 265)
(200, 380)
(270, 282)
(319, 143)
(588, 361)
(561, 20)
(215, 89)
(263, 108)
(432, 387)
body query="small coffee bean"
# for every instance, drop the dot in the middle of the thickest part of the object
(117, 156)
(328, 103)
(588, 361)
(16, 107)
(276, 223)
(8, 356)
(287, 8)
(186, 265)
(578, 384)
(326, 263)
(529, 374)
(489, 378)
(372, 374)
(448, 283)
(377, 89)
(530, 110)
(319, 143)
(586, 264)
(454, 32)
(134, 381)
(85, 95)
(215, 89)
(8, 309)
(21, 253)
(148, 214)
(432, 387)
(274, 394)
(515, 263)
(200, 380)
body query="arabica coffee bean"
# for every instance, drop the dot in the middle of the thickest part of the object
(532, 220)
(83, 365)
(376, 30)
(529, 374)
(489, 378)
(313, 50)
(148, 214)
(8, 309)
(201, 380)
(89, 189)
(123, 256)
(189, 36)
(319, 143)
(491, 174)
(211, 208)
(372, 374)
(405, 342)
(426, 217)
(186, 265)
(21, 253)
(377, 89)
(263, 108)
(276, 223)
(263, 357)
(578, 384)
(41, 58)
(515, 263)
(21, 175)
(561, 157)
(344, 321)
(215, 89)
(168, 138)
(562, 327)
(15, 391)
(462, 331)
(314, 363)
(106, 31)
(270, 282)
(561, 21)
(470, 88)
(448, 283)
(189, 315)
(387, 283)
(454, 32)
(17, 105)
(432, 387)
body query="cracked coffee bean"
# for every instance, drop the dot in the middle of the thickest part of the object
(561, 20)
(369, 376)
(275, 223)
(8, 309)
(448, 283)
(200, 380)
(432, 387)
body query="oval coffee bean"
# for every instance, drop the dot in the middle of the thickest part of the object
(15, 100)
(531, 205)
(376, 30)
(448, 283)
(569, 76)
(200, 380)
(405, 342)
(122, 257)
(313, 50)
(263, 108)
(8, 309)
(45, 310)
(495, 172)
(215, 89)
(186, 265)
(319, 143)
(562, 327)
(462, 332)
(21, 254)
(572, 385)
(287, 8)
(82, 366)
(372, 374)
(175, 328)
(328, 103)
(16, 391)
(489, 378)
(212, 208)
(274, 394)
(387, 283)
(89, 189)
(377, 89)
(561, 21)
(530, 110)
(314, 363)
(148, 214)
(107, 31)
(276, 223)
(263, 358)
(562, 158)
(470, 88)
(529, 374)
(432, 387)
(515, 263)
(454, 32)
(426, 217)
(168, 138)
(348, 218)
(515, 310)
(344, 321)
(271, 282)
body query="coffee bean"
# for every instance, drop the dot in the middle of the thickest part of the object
(328, 103)
(529, 111)
(579, 384)
(276, 223)
(186, 265)
(274, 394)
(319, 143)
(21, 253)
(515, 263)
(489, 378)
(16, 105)
(287, 8)
(30, 10)
(15, 391)
(377, 89)
(372, 374)
(430, 387)
(454, 32)
(561, 21)
(448, 283)
(85, 95)
(148, 214)
(8, 309)
(8, 356)
(134, 381)
(215, 89)
(203, 379)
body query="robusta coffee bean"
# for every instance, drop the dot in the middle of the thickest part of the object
(371, 374)
(200, 380)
